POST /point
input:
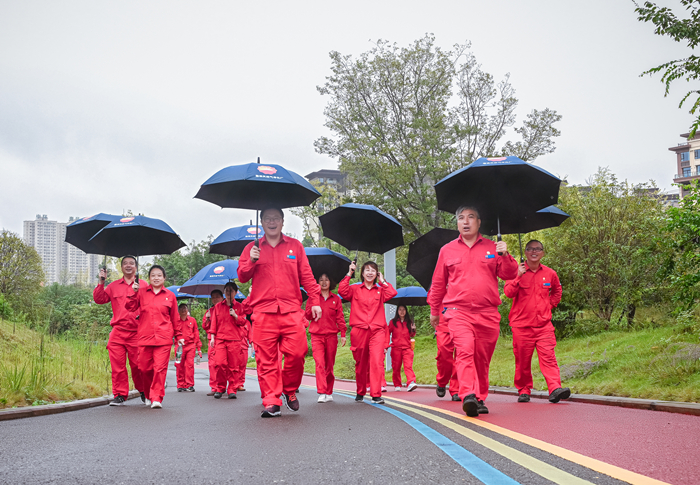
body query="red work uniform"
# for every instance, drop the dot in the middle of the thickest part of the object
(447, 371)
(227, 341)
(211, 352)
(159, 322)
(193, 343)
(465, 288)
(367, 331)
(324, 340)
(398, 337)
(123, 341)
(534, 295)
(243, 360)
(278, 321)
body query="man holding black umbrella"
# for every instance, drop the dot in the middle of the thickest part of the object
(278, 267)
(465, 290)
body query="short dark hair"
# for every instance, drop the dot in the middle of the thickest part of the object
(132, 257)
(534, 241)
(463, 208)
(332, 282)
(232, 285)
(371, 264)
(219, 292)
(156, 266)
(179, 307)
(262, 212)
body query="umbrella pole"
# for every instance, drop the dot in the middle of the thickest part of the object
(521, 247)
(498, 224)
(352, 275)
(257, 240)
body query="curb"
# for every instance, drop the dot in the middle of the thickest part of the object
(30, 411)
(689, 408)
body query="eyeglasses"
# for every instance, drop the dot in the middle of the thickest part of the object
(268, 220)
(534, 250)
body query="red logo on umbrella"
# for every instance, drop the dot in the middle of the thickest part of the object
(267, 170)
(86, 218)
(500, 159)
(253, 230)
(126, 219)
(219, 270)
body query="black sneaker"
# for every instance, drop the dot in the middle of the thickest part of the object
(291, 401)
(143, 397)
(190, 389)
(470, 405)
(377, 400)
(455, 397)
(232, 395)
(271, 411)
(440, 391)
(180, 389)
(359, 398)
(117, 401)
(559, 394)
(217, 395)
(481, 407)
(524, 398)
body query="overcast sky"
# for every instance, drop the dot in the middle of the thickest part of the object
(110, 106)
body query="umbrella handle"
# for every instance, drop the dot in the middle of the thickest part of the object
(257, 241)
(499, 240)
(498, 221)
(352, 274)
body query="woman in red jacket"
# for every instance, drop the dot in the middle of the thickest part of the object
(159, 322)
(324, 337)
(367, 327)
(400, 332)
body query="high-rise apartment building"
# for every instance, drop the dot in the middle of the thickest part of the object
(62, 262)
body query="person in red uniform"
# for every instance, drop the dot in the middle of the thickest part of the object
(226, 320)
(446, 370)
(278, 267)
(399, 333)
(243, 359)
(535, 292)
(216, 297)
(123, 342)
(367, 327)
(159, 322)
(324, 337)
(193, 344)
(465, 289)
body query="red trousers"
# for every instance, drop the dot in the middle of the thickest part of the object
(228, 358)
(274, 333)
(213, 369)
(525, 340)
(324, 348)
(185, 369)
(243, 363)
(153, 363)
(447, 371)
(118, 352)
(475, 336)
(367, 346)
(399, 356)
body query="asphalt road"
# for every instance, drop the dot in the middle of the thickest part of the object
(197, 439)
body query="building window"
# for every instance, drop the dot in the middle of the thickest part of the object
(686, 172)
(685, 156)
(320, 179)
(697, 153)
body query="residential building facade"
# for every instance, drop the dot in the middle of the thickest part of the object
(687, 161)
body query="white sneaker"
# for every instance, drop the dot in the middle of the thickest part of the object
(367, 388)
(397, 389)
(329, 397)
(148, 402)
(156, 405)
(412, 386)
(321, 398)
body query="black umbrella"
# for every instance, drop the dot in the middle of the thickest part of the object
(79, 233)
(362, 227)
(551, 216)
(423, 254)
(137, 235)
(325, 261)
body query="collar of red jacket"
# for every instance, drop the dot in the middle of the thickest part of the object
(263, 239)
(478, 240)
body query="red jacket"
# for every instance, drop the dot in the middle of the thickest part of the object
(534, 295)
(466, 278)
(332, 318)
(223, 325)
(277, 276)
(398, 336)
(116, 293)
(159, 320)
(190, 332)
(367, 305)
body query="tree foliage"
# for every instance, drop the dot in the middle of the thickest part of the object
(680, 30)
(21, 273)
(403, 118)
(184, 263)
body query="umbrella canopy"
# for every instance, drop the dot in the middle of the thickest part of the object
(79, 233)
(176, 289)
(323, 260)
(232, 241)
(500, 188)
(423, 254)
(137, 235)
(548, 217)
(410, 296)
(239, 296)
(212, 277)
(256, 186)
(362, 227)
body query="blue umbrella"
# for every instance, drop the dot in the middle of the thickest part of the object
(325, 261)
(79, 233)
(176, 289)
(239, 296)
(137, 235)
(212, 277)
(232, 241)
(410, 296)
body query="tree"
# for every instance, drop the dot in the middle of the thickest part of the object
(21, 273)
(179, 266)
(680, 30)
(404, 118)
